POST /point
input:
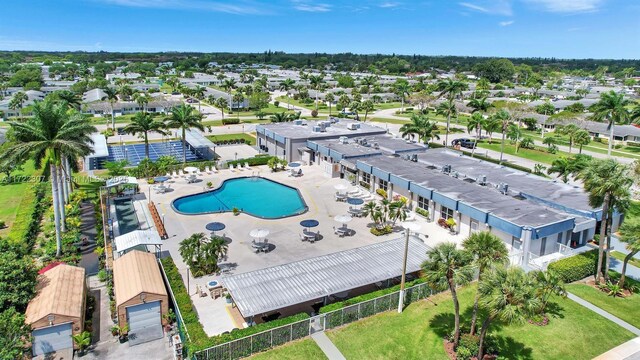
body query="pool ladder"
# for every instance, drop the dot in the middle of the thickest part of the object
(255, 174)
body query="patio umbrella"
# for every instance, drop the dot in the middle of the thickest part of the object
(259, 233)
(160, 179)
(355, 201)
(340, 187)
(215, 226)
(294, 164)
(190, 169)
(343, 218)
(309, 223)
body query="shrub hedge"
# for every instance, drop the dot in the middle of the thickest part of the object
(199, 339)
(253, 161)
(230, 121)
(368, 296)
(576, 267)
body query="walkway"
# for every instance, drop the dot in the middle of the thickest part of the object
(607, 315)
(327, 347)
(627, 351)
(89, 260)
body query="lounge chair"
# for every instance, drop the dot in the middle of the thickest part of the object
(181, 173)
(214, 170)
(168, 175)
(246, 166)
(231, 168)
(175, 174)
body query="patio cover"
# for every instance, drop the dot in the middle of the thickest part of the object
(136, 238)
(122, 180)
(264, 290)
(197, 140)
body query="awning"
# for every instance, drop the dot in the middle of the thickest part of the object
(122, 180)
(348, 165)
(583, 224)
(137, 238)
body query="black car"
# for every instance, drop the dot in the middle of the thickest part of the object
(464, 142)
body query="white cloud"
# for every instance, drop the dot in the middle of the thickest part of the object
(506, 23)
(493, 7)
(568, 6)
(308, 6)
(239, 7)
(389, 4)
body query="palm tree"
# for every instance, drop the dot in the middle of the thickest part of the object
(142, 123)
(487, 251)
(222, 104)
(581, 138)
(450, 89)
(447, 266)
(570, 130)
(238, 99)
(491, 125)
(142, 99)
(402, 89)
(228, 85)
(82, 340)
(280, 117)
(447, 109)
(612, 108)
(329, 98)
(287, 85)
(315, 82)
(183, 117)
(607, 182)
(367, 107)
(477, 122)
(190, 250)
(514, 134)
(630, 235)
(509, 295)
(368, 82)
(548, 283)
(563, 167)
(70, 98)
(199, 92)
(480, 105)
(503, 118)
(112, 97)
(397, 211)
(18, 100)
(421, 126)
(51, 135)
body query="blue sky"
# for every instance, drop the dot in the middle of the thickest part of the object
(532, 28)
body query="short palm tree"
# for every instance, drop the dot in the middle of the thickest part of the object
(143, 123)
(184, 117)
(420, 126)
(82, 340)
(487, 250)
(72, 100)
(480, 105)
(50, 135)
(286, 86)
(611, 108)
(581, 138)
(329, 98)
(447, 267)
(503, 118)
(548, 283)
(607, 182)
(369, 82)
(491, 125)
(222, 104)
(630, 236)
(476, 122)
(315, 82)
(142, 99)
(563, 167)
(367, 107)
(508, 295)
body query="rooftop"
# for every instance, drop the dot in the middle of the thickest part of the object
(60, 291)
(305, 129)
(136, 272)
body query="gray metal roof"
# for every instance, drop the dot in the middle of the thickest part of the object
(305, 131)
(196, 139)
(264, 290)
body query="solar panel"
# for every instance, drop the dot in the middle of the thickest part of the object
(134, 153)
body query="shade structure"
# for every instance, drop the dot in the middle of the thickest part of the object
(190, 169)
(294, 164)
(343, 218)
(160, 179)
(340, 187)
(215, 226)
(355, 201)
(309, 223)
(259, 233)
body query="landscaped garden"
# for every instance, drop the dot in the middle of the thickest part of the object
(626, 308)
(241, 138)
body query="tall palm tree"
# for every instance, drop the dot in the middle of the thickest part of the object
(70, 98)
(509, 295)
(142, 99)
(447, 109)
(570, 131)
(315, 82)
(112, 97)
(487, 250)
(51, 135)
(611, 108)
(369, 82)
(582, 138)
(402, 89)
(477, 122)
(367, 107)
(286, 86)
(447, 266)
(503, 118)
(421, 126)
(142, 123)
(228, 85)
(199, 92)
(630, 236)
(329, 98)
(18, 100)
(480, 105)
(222, 104)
(607, 182)
(183, 117)
(450, 89)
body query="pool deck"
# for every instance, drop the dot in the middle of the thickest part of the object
(318, 192)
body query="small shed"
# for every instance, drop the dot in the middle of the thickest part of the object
(57, 311)
(141, 297)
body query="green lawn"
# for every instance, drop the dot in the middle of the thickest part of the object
(620, 256)
(250, 140)
(531, 154)
(574, 332)
(594, 146)
(242, 121)
(305, 349)
(11, 194)
(624, 308)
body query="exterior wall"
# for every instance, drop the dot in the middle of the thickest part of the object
(122, 309)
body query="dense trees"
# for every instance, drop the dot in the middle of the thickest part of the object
(495, 70)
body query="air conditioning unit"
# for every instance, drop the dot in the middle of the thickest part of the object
(352, 126)
(414, 157)
(446, 168)
(317, 129)
(297, 122)
(343, 140)
(483, 180)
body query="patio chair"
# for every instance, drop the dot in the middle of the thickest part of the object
(231, 168)
(175, 174)
(302, 238)
(181, 173)
(246, 166)
(168, 175)
(214, 170)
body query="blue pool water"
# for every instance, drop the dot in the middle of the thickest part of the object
(255, 196)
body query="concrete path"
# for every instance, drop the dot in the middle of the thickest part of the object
(607, 315)
(627, 351)
(330, 350)
(89, 260)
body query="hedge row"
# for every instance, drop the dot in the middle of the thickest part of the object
(368, 296)
(230, 121)
(576, 267)
(253, 161)
(26, 226)
(199, 339)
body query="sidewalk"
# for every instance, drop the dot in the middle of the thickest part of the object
(327, 347)
(605, 314)
(627, 351)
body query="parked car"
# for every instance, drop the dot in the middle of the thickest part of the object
(464, 142)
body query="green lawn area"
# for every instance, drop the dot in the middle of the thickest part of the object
(417, 333)
(389, 121)
(305, 349)
(594, 146)
(624, 308)
(531, 154)
(11, 194)
(251, 140)
(242, 121)
(620, 256)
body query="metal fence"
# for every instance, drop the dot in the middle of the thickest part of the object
(268, 339)
(182, 329)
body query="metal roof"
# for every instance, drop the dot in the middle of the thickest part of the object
(276, 287)
(134, 273)
(60, 291)
(136, 238)
(100, 148)
(196, 139)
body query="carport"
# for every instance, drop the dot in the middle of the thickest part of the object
(57, 311)
(141, 298)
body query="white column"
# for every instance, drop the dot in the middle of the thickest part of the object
(526, 244)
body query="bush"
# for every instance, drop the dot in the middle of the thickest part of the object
(470, 342)
(382, 193)
(463, 353)
(576, 267)
(423, 212)
(367, 296)
(314, 113)
(384, 231)
(254, 161)
(365, 184)
(276, 103)
(633, 143)
(230, 121)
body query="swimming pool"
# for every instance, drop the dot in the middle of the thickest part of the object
(255, 196)
(126, 215)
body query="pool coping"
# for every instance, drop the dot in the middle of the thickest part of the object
(306, 207)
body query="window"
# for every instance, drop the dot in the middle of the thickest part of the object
(382, 184)
(559, 238)
(366, 177)
(445, 212)
(423, 203)
(543, 245)
(516, 243)
(474, 225)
